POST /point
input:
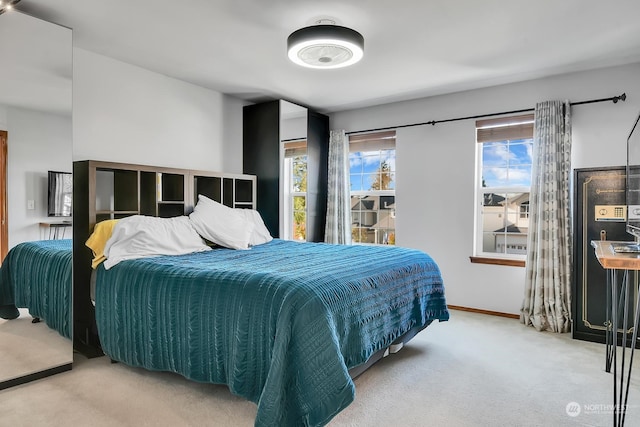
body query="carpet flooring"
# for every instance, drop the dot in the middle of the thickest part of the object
(30, 347)
(475, 370)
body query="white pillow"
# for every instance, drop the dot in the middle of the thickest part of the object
(260, 233)
(145, 236)
(221, 224)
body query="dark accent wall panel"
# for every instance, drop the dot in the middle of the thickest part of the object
(317, 172)
(261, 157)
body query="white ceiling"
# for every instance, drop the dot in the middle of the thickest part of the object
(412, 48)
(35, 64)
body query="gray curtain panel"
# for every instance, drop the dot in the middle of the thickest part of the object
(547, 300)
(338, 228)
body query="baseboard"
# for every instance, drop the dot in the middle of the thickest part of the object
(489, 312)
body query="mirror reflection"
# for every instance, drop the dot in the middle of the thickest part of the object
(293, 136)
(35, 128)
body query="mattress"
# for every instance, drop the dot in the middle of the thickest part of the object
(37, 276)
(280, 324)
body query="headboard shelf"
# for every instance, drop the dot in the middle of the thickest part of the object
(110, 190)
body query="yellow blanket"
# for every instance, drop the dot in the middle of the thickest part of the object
(98, 239)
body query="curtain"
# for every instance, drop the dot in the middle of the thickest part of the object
(547, 299)
(338, 226)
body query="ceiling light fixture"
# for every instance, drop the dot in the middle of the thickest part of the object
(6, 6)
(325, 46)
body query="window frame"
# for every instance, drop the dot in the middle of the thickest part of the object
(289, 193)
(503, 129)
(368, 142)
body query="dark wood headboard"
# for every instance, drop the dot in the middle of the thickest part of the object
(108, 190)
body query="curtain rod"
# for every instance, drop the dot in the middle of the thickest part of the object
(613, 99)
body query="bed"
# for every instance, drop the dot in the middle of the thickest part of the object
(280, 324)
(284, 324)
(37, 276)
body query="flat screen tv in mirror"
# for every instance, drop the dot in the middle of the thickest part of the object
(633, 180)
(60, 193)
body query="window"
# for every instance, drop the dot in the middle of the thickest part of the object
(504, 159)
(524, 210)
(372, 165)
(295, 184)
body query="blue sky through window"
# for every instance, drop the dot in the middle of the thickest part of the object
(507, 163)
(365, 165)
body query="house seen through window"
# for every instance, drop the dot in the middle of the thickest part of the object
(372, 170)
(504, 160)
(372, 173)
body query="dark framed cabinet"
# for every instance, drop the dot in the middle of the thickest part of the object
(599, 214)
(265, 129)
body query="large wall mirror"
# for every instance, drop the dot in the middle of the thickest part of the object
(35, 120)
(293, 139)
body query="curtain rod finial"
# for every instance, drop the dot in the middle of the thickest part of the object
(622, 97)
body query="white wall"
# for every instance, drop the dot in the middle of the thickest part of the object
(3, 116)
(37, 142)
(128, 114)
(232, 134)
(436, 167)
(124, 113)
(121, 113)
(293, 128)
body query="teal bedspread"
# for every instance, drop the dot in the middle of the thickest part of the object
(280, 324)
(37, 275)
